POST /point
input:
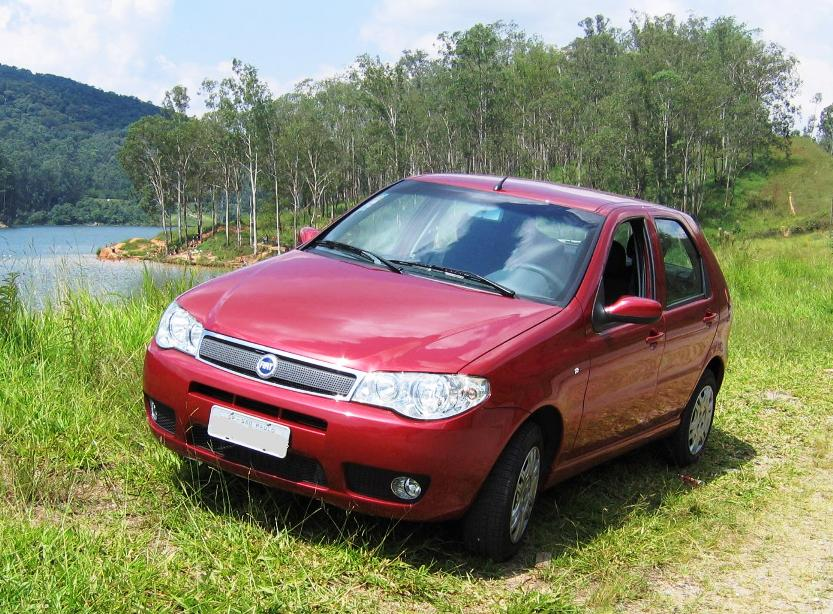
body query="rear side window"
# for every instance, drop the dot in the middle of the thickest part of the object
(683, 265)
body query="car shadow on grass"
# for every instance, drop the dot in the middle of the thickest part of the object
(565, 519)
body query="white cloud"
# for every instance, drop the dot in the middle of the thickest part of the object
(108, 44)
(101, 43)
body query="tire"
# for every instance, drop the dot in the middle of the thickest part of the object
(488, 528)
(688, 442)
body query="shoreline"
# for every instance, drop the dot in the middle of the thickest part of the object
(89, 225)
(152, 250)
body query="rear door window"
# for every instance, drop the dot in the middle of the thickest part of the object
(683, 264)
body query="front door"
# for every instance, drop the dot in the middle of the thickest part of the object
(624, 358)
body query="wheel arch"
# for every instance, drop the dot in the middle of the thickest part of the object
(551, 423)
(718, 368)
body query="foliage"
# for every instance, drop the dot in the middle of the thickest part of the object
(666, 110)
(58, 140)
(109, 211)
(825, 128)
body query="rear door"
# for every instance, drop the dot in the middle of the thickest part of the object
(691, 314)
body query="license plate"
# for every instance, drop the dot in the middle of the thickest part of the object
(248, 431)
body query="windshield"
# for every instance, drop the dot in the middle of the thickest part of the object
(527, 248)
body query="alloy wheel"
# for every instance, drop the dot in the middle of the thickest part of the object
(525, 490)
(701, 420)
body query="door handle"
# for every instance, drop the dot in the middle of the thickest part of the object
(655, 337)
(710, 317)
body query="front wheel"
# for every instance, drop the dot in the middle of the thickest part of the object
(687, 443)
(497, 521)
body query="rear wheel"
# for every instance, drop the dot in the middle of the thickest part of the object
(497, 521)
(686, 445)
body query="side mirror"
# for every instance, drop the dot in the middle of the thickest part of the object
(634, 310)
(307, 234)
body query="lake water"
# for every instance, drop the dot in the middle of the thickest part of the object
(53, 259)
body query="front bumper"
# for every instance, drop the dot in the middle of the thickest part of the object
(455, 454)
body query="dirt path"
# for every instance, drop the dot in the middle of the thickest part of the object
(784, 565)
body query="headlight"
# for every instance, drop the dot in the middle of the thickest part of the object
(425, 396)
(180, 330)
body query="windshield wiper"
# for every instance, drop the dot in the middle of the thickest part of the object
(352, 249)
(459, 273)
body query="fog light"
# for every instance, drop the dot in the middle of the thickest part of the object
(153, 413)
(405, 488)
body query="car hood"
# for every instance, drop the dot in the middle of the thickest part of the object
(360, 316)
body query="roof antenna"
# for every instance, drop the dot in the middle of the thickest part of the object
(500, 183)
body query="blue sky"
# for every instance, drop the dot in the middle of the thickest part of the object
(143, 47)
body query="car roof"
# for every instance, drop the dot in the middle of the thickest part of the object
(586, 199)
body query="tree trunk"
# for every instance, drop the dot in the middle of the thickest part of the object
(277, 216)
(237, 199)
(227, 211)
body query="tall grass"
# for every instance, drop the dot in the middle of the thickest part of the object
(96, 515)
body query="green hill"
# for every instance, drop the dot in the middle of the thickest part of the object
(58, 142)
(761, 204)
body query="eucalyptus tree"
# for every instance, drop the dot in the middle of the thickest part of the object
(537, 104)
(825, 128)
(418, 122)
(665, 109)
(477, 59)
(243, 100)
(383, 88)
(146, 158)
(316, 143)
(220, 146)
(274, 158)
(183, 134)
(225, 147)
(347, 118)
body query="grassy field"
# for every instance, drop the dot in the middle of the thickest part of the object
(761, 203)
(95, 514)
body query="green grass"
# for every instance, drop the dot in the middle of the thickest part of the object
(96, 515)
(761, 202)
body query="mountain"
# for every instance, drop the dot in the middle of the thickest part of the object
(58, 144)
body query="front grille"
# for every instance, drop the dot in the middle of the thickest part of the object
(375, 482)
(291, 373)
(294, 467)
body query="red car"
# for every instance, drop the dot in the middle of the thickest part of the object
(449, 348)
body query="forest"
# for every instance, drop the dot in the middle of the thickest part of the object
(667, 110)
(58, 145)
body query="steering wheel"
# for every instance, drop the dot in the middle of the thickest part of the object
(555, 282)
